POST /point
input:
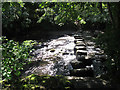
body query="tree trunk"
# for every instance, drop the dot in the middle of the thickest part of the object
(110, 12)
(100, 3)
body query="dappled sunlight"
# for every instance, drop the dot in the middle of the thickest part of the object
(58, 52)
(60, 56)
(66, 45)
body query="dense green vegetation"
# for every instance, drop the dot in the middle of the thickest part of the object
(19, 18)
(14, 57)
(34, 82)
(110, 43)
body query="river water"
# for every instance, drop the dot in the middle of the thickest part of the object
(55, 55)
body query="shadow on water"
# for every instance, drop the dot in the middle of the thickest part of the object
(44, 36)
(30, 67)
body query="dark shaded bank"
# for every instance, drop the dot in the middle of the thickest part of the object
(35, 82)
(44, 30)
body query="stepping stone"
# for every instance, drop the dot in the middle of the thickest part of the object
(81, 52)
(80, 44)
(90, 66)
(96, 57)
(77, 36)
(78, 40)
(82, 72)
(80, 57)
(90, 47)
(97, 49)
(88, 62)
(103, 57)
(79, 48)
(90, 43)
(99, 53)
(88, 37)
(77, 64)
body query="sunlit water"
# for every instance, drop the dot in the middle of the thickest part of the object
(58, 53)
(55, 57)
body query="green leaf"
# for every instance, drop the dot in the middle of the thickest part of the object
(42, 7)
(18, 73)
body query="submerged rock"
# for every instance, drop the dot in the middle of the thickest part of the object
(52, 50)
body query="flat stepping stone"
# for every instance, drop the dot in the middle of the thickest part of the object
(88, 37)
(103, 57)
(90, 47)
(79, 42)
(88, 62)
(81, 52)
(77, 36)
(99, 53)
(90, 43)
(80, 57)
(80, 39)
(77, 64)
(82, 72)
(79, 48)
(85, 61)
(98, 49)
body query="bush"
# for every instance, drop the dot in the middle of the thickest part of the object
(110, 41)
(14, 57)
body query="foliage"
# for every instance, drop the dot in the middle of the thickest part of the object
(14, 11)
(63, 12)
(14, 57)
(19, 17)
(110, 42)
(60, 12)
(33, 82)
